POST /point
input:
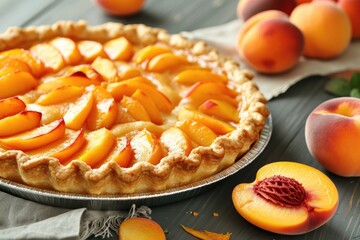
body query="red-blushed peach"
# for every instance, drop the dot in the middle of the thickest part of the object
(287, 198)
(121, 7)
(352, 8)
(332, 133)
(269, 43)
(140, 228)
(248, 8)
(328, 33)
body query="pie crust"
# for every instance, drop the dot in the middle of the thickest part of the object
(174, 169)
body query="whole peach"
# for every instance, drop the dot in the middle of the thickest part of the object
(332, 133)
(352, 8)
(121, 7)
(326, 28)
(248, 8)
(269, 43)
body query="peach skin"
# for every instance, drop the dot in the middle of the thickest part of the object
(287, 198)
(140, 228)
(332, 133)
(352, 8)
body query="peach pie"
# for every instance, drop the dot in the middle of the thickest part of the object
(117, 109)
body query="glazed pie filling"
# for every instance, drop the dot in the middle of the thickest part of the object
(106, 113)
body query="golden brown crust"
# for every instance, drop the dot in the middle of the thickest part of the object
(173, 170)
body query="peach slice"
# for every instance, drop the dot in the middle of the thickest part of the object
(198, 132)
(49, 56)
(128, 87)
(287, 198)
(122, 153)
(135, 109)
(16, 83)
(147, 102)
(218, 126)
(146, 147)
(176, 141)
(18, 123)
(79, 81)
(98, 146)
(68, 49)
(60, 95)
(140, 228)
(84, 70)
(220, 109)
(90, 50)
(36, 66)
(104, 110)
(125, 128)
(119, 49)
(11, 106)
(191, 76)
(206, 235)
(16, 65)
(63, 148)
(148, 53)
(126, 72)
(165, 62)
(106, 69)
(79, 111)
(37, 137)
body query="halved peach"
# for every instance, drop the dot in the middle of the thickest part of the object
(84, 70)
(218, 126)
(122, 153)
(135, 108)
(191, 76)
(16, 83)
(68, 49)
(78, 112)
(104, 110)
(18, 123)
(60, 95)
(165, 62)
(49, 56)
(106, 68)
(125, 128)
(176, 141)
(36, 66)
(37, 137)
(146, 147)
(145, 100)
(99, 144)
(119, 49)
(149, 52)
(11, 106)
(14, 64)
(287, 198)
(198, 132)
(63, 148)
(220, 109)
(90, 50)
(140, 228)
(79, 81)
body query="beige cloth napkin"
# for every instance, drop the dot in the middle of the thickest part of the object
(223, 37)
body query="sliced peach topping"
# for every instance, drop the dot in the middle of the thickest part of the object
(63, 148)
(68, 49)
(20, 122)
(16, 83)
(60, 95)
(140, 228)
(165, 62)
(126, 72)
(125, 128)
(191, 76)
(149, 52)
(78, 111)
(98, 146)
(104, 110)
(218, 126)
(220, 109)
(90, 50)
(79, 81)
(122, 153)
(198, 132)
(146, 147)
(49, 56)
(13, 64)
(147, 102)
(106, 68)
(135, 109)
(11, 106)
(119, 49)
(84, 70)
(36, 66)
(36, 138)
(176, 141)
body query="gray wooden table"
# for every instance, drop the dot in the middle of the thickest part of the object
(289, 112)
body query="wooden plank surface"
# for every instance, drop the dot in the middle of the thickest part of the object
(289, 113)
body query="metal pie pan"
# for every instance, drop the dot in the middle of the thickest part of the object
(116, 202)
